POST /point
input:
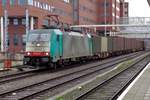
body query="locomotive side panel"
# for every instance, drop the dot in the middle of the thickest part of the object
(67, 46)
(75, 45)
(87, 46)
(56, 46)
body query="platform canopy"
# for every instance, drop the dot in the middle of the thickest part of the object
(138, 27)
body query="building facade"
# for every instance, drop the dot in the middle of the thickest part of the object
(37, 12)
(124, 9)
(110, 12)
(24, 15)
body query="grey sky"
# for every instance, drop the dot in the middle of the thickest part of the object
(139, 8)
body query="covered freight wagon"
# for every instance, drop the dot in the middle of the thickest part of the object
(110, 45)
(118, 44)
(104, 47)
(96, 44)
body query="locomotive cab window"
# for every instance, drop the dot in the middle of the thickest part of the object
(38, 37)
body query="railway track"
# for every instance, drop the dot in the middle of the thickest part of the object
(110, 89)
(1, 71)
(14, 71)
(25, 74)
(17, 76)
(60, 82)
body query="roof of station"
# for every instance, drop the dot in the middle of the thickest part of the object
(127, 25)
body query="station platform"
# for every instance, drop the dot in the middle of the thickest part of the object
(139, 89)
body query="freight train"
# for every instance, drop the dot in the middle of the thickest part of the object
(53, 46)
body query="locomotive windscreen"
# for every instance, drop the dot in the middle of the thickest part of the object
(38, 42)
(32, 37)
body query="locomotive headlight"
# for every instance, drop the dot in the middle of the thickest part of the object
(28, 53)
(38, 44)
(47, 53)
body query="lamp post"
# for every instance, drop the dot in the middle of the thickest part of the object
(27, 22)
(2, 33)
(7, 61)
(105, 15)
(5, 30)
(5, 36)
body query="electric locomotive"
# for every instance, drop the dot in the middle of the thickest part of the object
(52, 46)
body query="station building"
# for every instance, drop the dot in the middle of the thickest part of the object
(24, 15)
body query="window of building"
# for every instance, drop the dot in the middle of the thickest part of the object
(113, 14)
(126, 5)
(4, 2)
(35, 3)
(8, 40)
(21, 2)
(118, 1)
(16, 39)
(46, 6)
(23, 40)
(38, 4)
(45, 22)
(15, 22)
(107, 4)
(113, 5)
(118, 9)
(30, 2)
(12, 2)
(103, 4)
(67, 1)
(126, 13)
(41, 6)
(8, 20)
(49, 8)
(23, 21)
